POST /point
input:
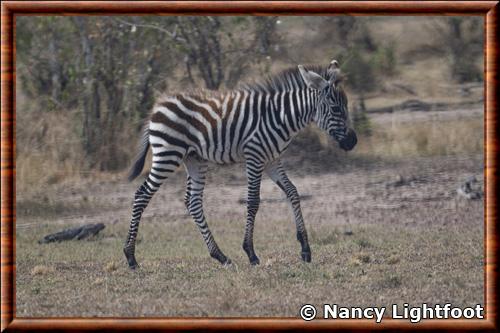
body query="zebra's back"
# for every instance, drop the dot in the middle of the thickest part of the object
(214, 126)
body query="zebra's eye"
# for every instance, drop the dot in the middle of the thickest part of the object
(337, 110)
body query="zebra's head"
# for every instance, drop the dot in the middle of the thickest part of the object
(331, 114)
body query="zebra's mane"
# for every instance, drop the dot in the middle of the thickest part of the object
(199, 92)
(286, 80)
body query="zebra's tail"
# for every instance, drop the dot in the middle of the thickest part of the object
(141, 157)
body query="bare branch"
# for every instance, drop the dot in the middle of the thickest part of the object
(172, 34)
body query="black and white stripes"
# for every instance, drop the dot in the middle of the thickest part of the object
(253, 124)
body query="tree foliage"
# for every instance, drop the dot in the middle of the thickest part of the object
(461, 40)
(107, 70)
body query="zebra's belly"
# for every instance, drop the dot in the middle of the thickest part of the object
(220, 154)
(266, 152)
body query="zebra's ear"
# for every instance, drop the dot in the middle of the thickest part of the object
(334, 74)
(313, 80)
(334, 64)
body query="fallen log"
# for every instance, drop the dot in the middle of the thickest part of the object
(78, 233)
(418, 105)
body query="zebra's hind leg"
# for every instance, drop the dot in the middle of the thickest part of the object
(163, 165)
(187, 196)
(197, 170)
(278, 175)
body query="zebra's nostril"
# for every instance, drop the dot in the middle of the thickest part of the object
(349, 141)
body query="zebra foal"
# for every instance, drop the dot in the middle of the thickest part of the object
(253, 124)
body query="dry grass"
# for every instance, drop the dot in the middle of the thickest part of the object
(177, 278)
(395, 137)
(41, 270)
(48, 148)
(424, 138)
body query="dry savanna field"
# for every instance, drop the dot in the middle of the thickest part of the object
(385, 232)
(385, 222)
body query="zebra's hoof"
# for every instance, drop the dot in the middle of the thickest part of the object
(220, 257)
(254, 261)
(132, 263)
(306, 256)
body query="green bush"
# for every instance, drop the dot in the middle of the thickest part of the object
(384, 60)
(359, 72)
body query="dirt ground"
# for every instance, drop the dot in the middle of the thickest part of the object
(381, 232)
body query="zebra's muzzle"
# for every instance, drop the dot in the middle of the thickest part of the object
(349, 141)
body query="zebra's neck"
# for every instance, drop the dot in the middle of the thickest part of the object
(293, 110)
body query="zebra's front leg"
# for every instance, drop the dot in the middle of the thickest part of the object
(197, 170)
(254, 177)
(278, 175)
